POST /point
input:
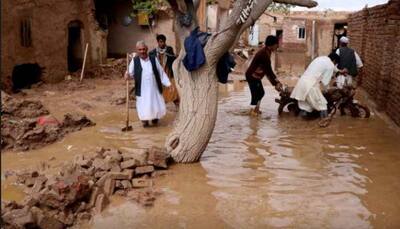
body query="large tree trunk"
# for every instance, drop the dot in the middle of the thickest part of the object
(198, 90)
(197, 113)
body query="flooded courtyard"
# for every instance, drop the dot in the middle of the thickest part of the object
(266, 172)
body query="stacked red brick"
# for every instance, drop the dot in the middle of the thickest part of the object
(375, 34)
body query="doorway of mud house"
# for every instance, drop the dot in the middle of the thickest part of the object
(339, 30)
(75, 55)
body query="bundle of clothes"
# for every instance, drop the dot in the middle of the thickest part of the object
(195, 56)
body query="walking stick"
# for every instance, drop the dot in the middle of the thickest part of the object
(84, 61)
(127, 127)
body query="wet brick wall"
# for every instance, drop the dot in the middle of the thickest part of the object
(375, 34)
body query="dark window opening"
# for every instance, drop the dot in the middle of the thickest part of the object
(24, 75)
(75, 56)
(105, 14)
(302, 33)
(26, 34)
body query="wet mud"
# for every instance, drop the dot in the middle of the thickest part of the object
(27, 124)
(267, 172)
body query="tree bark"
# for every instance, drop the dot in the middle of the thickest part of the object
(198, 90)
(197, 112)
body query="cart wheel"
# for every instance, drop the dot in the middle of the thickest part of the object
(343, 110)
(354, 111)
(363, 111)
(294, 109)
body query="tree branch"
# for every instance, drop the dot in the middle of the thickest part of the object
(305, 3)
(223, 39)
(258, 10)
(196, 4)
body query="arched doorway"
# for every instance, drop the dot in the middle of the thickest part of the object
(75, 55)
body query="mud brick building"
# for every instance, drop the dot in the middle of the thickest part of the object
(303, 35)
(46, 38)
(375, 34)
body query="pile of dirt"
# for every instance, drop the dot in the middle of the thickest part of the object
(83, 188)
(112, 69)
(27, 124)
(73, 84)
(21, 108)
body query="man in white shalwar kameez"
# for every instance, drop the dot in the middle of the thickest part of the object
(307, 90)
(149, 78)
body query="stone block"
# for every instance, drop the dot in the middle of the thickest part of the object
(103, 164)
(132, 163)
(82, 162)
(93, 197)
(114, 154)
(99, 174)
(138, 154)
(100, 152)
(30, 201)
(144, 169)
(126, 184)
(119, 175)
(101, 202)
(130, 172)
(21, 218)
(109, 187)
(65, 217)
(39, 184)
(116, 168)
(48, 222)
(157, 157)
(100, 182)
(141, 183)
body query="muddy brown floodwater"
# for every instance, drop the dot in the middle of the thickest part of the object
(266, 172)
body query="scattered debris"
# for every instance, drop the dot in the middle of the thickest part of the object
(83, 188)
(21, 108)
(113, 68)
(85, 106)
(27, 124)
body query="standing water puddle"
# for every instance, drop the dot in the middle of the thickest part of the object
(266, 172)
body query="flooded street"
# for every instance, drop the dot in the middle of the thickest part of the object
(266, 172)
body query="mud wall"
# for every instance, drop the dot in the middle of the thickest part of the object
(48, 21)
(122, 39)
(295, 53)
(375, 34)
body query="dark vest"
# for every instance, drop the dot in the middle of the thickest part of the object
(138, 74)
(170, 56)
(348, 60)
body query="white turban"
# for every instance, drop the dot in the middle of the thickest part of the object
(344, 40)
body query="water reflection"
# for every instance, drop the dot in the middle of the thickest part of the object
(267, 172)
(288, 172)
